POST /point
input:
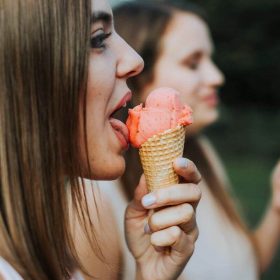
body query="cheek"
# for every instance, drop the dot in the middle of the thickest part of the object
(189, 87)
(186, 81)
(101, 76)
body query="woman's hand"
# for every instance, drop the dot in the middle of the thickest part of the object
(162, 241)
(275, 182)
(267, 234)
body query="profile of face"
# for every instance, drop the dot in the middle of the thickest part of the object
(112, 61)
(185, 64)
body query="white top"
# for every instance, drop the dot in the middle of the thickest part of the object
(221, 251)
(9, 273)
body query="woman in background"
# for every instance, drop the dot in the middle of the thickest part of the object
(63, 74)
(174, 41)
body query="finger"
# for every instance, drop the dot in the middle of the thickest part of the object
(166, 237)
(184, 245)
(182, 215)
(175, 242)
(174, 237)
(187, 169)
(173, 195)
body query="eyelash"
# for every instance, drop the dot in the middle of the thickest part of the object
(97, 42)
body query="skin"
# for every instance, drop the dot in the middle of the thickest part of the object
(189, 69)
(111, 63)
(270, 225)
(170, 232)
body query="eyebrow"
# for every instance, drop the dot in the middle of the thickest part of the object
(198, 52)
(101, 16)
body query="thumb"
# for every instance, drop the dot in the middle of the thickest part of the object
(139, 192)
(187, 169)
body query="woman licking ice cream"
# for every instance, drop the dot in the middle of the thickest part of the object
(63, 75)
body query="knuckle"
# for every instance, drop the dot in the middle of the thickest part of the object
(174, 233)
(154, 223)
(153, 239)
(192, 191)
(187, 211)
(193, 172)
(193, 235)
(196, 192)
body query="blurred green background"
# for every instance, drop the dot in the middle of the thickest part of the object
(247, 39)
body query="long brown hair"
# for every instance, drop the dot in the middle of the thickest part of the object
(148, 22)
(43, 62)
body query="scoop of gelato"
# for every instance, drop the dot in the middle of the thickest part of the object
(163, 110)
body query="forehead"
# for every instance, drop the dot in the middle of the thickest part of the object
(187, 33)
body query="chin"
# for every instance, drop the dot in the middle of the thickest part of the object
(201, 123)
(214, 116)
(208, 119)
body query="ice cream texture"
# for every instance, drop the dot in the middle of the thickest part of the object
(163, 110)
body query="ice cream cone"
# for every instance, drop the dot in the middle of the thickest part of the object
(157, 155)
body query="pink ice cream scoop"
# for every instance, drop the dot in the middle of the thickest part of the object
(163, 110)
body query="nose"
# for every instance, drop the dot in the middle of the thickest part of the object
(213, 75)
(129, 63)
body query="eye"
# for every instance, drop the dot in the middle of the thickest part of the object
(193, 61)
(98, 41)
(193, 64)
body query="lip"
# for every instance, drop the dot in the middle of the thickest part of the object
(212, 99)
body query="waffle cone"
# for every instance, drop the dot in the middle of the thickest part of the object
(157, 155)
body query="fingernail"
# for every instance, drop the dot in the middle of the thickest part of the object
(181, 162)
(148, 200)
(147, 229)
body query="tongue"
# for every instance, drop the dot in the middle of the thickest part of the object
(119, 127)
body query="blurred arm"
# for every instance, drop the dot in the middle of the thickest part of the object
(267, 235)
